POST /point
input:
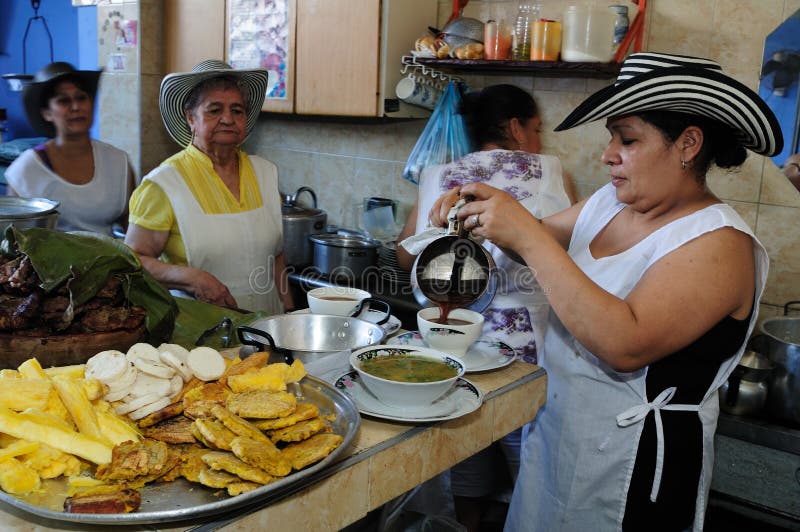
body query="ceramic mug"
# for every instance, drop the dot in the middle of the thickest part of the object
(462, 330)
(336, 300)
(417, 92)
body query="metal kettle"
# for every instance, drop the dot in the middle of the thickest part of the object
(298, 224)
(455, 271)
(745, 392)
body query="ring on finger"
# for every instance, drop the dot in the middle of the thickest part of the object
(476, 220)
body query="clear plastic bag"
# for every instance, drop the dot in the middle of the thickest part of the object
(444, 138)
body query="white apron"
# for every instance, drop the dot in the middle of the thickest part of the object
(578, 460)
(239, 249)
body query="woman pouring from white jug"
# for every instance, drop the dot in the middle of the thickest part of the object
(654, 286)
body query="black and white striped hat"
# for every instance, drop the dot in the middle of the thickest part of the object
(650, 81)
(176, 87)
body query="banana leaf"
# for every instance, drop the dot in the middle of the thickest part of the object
(196, 318)
(85, 261)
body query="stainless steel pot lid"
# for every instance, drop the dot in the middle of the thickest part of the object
(345, 241)
(15, 208)
(289, 211)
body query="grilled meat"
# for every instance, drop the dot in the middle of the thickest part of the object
(109, 318)
(19, 312)
(122, 500)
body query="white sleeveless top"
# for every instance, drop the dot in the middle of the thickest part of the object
(240, 248)
(518, 313)
(93, 206)
(578, 460)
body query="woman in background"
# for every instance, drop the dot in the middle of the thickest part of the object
(91, 180)
(503, 122)
(207, 221)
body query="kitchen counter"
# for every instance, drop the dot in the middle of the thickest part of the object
(386, 460)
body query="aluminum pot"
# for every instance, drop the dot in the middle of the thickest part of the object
(745, 391)
(298, 224)
(310, 337)
(344, 256)
(24, 213)
(780, 342)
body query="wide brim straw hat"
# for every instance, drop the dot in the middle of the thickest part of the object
(33, 94)
(650, 81)
(176, 87)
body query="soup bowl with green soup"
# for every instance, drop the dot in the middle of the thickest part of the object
(406, 376)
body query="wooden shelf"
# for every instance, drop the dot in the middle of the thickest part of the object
(538, 68)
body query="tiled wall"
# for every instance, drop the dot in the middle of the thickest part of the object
(345, 161)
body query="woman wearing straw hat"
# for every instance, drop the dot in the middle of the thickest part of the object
(207, 221)
(654, 285)
(91, 180)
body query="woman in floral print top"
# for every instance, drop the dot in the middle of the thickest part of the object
(503, 120)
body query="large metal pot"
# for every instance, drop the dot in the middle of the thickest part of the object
(344, 256)
(745, 391)
(298, 224)
(321, 342)
(24, 213)
(780, 342)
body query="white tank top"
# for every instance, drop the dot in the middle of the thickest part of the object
(93, 206)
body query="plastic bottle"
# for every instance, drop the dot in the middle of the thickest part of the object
(621, 24)
(521, 50)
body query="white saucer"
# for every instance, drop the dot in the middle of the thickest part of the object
(484, 355)
(373, 316)
(463, 398)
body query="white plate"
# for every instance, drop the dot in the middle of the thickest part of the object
(373, 315)
(484, 355)
(463, 398)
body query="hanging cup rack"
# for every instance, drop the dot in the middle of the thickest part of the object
(426, 73)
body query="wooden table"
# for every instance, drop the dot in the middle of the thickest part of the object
(386, 460)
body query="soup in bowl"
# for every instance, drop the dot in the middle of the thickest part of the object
(406, 376)
(462, 328)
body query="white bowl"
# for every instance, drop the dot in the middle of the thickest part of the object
(451, 338)
(405, 394)
(335, 300)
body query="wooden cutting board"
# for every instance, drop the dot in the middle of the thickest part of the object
(63, 350)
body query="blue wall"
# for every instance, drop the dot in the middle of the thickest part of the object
(74, 32)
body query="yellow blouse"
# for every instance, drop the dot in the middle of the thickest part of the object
(150, 207)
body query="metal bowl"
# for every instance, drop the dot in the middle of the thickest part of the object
(25, 213)
(311, 336)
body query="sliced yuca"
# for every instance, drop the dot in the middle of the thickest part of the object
(176, 349)
(177, 363)
(149, 409)
(206, 363)
(124, 381)
(142, 350)
(106, 366)
(146, 384)
(138, 402)
(156, 369)
(175, 385)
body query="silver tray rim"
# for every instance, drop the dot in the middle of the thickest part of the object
(341, 400)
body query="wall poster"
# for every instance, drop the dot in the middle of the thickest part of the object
(261, 35)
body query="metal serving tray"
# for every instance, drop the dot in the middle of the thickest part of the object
(184, 501)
